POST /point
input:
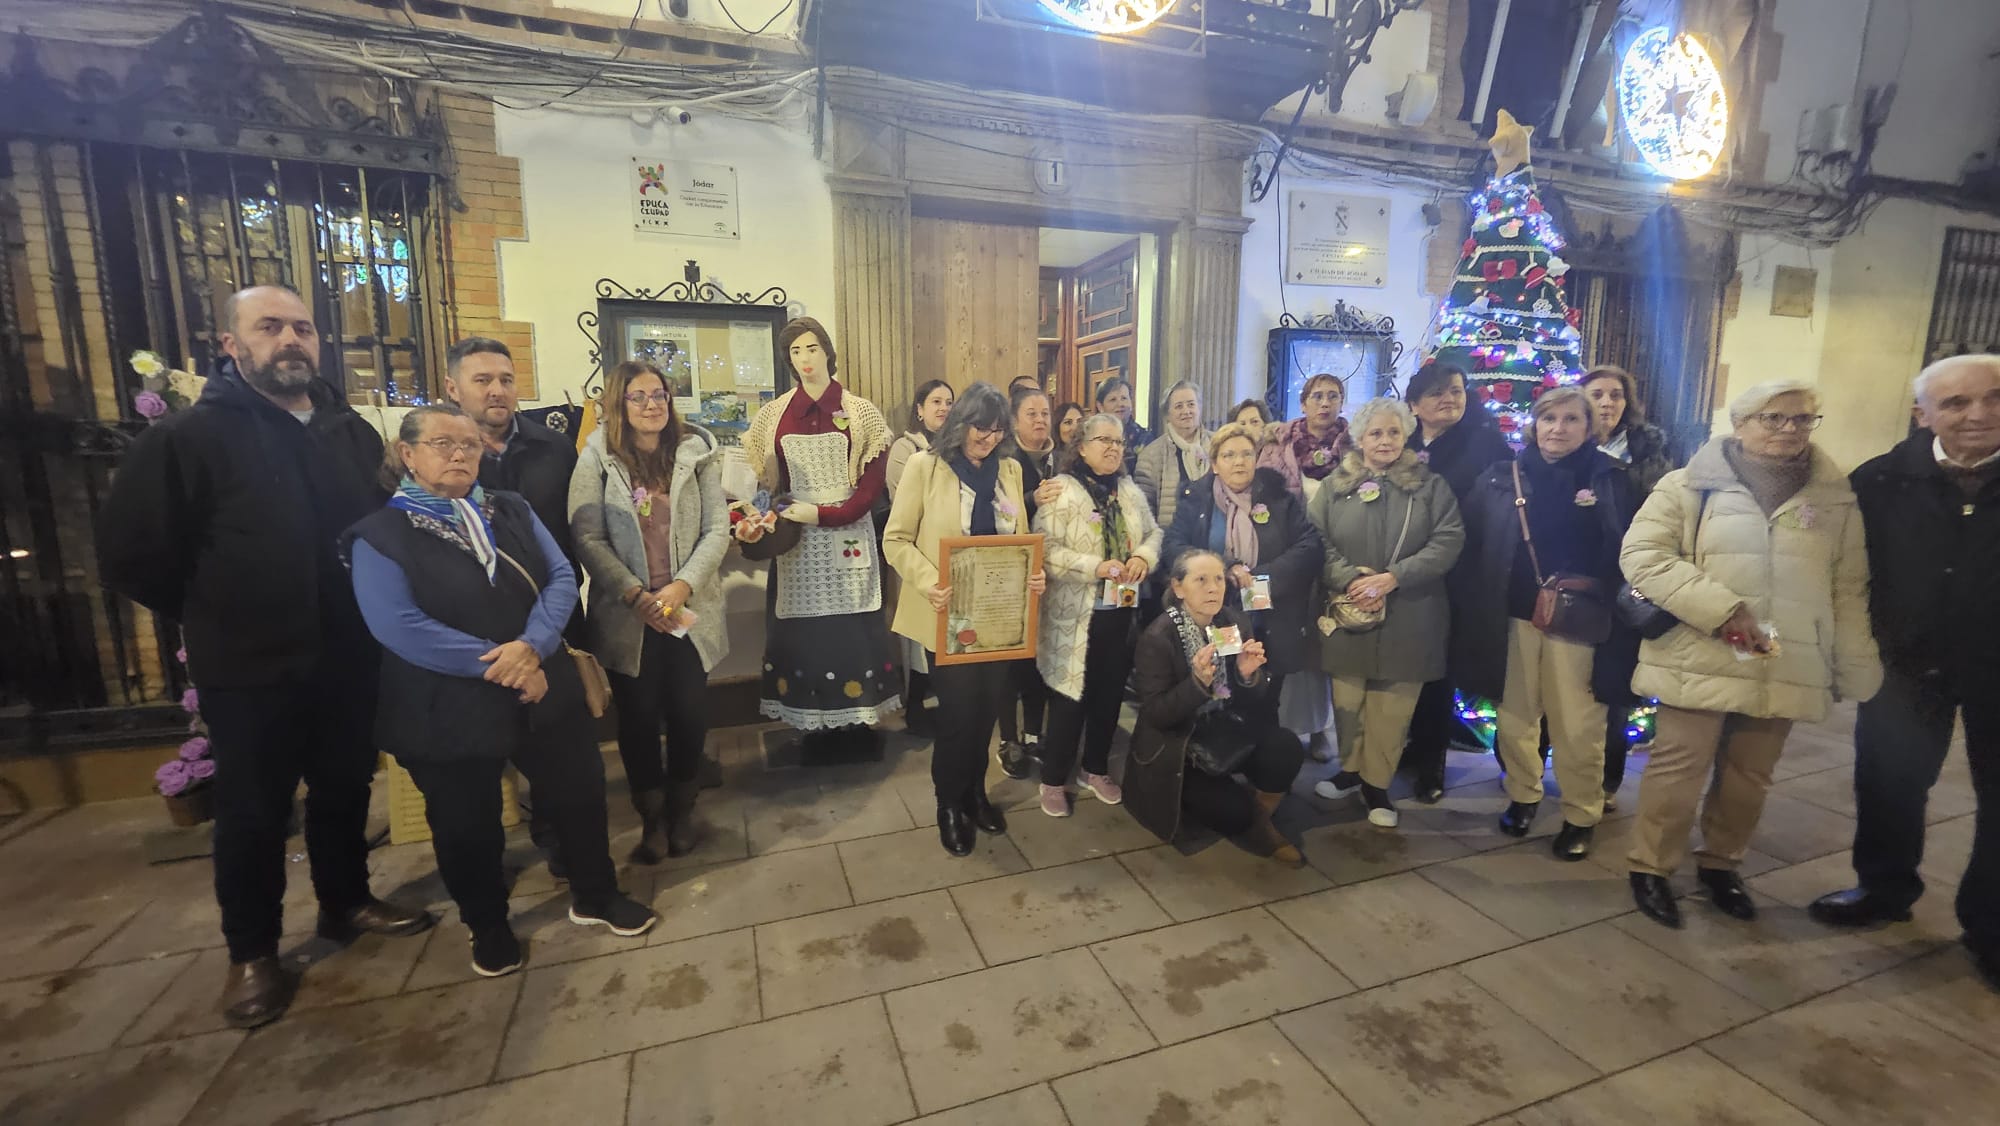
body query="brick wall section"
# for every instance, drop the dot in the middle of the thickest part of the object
(490, 187)
(1441, 256)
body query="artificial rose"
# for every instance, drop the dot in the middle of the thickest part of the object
(1260, 514)
(195, 748)
(201, 769)
(190, 701)
(148, 363)
(149, 404)
(1369, 491)
(172, 777)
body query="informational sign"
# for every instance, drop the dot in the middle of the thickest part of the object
(676, 197)
(1336, 239)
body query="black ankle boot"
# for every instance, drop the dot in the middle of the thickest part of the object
(984, 813)
(653, 845)
(683, 832)
(1573, 841)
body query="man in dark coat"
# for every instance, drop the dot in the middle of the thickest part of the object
(522, 456)
(1931, 508)
(224, 518)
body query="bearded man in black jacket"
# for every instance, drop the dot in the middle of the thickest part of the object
(224, 518)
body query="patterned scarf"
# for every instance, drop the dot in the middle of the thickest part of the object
(1193, 637)
(1111, 515)
(1317, 457)
(1241, 538)
(461, 520)
(1193, 453)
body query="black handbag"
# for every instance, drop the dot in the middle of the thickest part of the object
(1649, 618)
(1222, 741)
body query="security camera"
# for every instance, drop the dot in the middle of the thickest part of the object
(681, 114)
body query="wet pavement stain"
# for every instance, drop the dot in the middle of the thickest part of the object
(829, 1071)
(1171, 1110)
(895, 939)
(1225, 962)
(683, 988)
(1854, 1076)
(1078, 1040)
(790, 821)
(1435, 1045)
(107, 1097)
(960, 1038)
(1375, 846)
(613, 985)
(1709, 1114)
(823, 948)
(1655, 1004)
(1226, 1098)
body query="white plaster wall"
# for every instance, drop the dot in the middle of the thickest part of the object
(1757, 346)
(1821, 48)
(575, 168)
(1939, 55)
(1264, 296)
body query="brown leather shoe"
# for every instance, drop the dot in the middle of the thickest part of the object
(373, 917)
(255, 992)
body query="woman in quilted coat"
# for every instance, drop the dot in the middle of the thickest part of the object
(1756, 548)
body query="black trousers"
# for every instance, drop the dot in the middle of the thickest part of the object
(1617, 745)
(1430, 730)
(462, 804)
(670, 694)
(1025, 688)
(1093, 720)
(1225, 805)
(1900, 740)
(969, 701)
(265, 741)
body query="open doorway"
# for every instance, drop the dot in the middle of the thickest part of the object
(1095, 316)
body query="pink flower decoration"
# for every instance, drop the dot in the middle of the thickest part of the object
(149, 404)
(1006, 507)
(172, 777)
(1423, 457)
(195, 748)
(190, 701)
(1585, 498)
(1095, 518)
(1807, 517)
(1260, 514)
(201, 769)
(181, 655)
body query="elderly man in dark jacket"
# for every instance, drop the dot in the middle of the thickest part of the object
(224, 518)
(1931, 507)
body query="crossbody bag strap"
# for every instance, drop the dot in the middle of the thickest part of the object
(1400, 536)
(1521, 510)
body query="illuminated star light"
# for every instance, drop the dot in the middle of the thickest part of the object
(1674, 104)
(1109, 17)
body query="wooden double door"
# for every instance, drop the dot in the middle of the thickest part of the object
(985, 308)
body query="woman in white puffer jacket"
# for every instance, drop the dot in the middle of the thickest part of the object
(1757, 548)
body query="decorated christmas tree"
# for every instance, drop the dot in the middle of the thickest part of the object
(1505, 320)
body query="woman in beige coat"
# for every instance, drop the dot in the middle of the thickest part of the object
(967, 484)
(1756, 547)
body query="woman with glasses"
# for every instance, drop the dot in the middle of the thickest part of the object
(1457, 445)
(928, 408)
(967, 485)
(1309, 447)
(1756, 549)
(1168, 467)
(1101, 542)
(1245, 515)
(647, 517)
(468, 594)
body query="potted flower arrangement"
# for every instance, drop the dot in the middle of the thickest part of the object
(184, 781)
(164, 389)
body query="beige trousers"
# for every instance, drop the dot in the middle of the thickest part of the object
(1552, 678)
(1728, 755)
(1371, 719)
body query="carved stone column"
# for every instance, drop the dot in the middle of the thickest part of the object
(1205, 266)
(871, 261)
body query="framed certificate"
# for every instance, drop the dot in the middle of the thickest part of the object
(992, 615)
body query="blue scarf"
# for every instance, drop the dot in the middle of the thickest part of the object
(982, 479)
(464, 518)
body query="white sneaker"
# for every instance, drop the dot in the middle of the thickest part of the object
(1386, 818)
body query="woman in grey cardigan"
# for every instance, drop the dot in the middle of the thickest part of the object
(650, 529)
(1392, 530)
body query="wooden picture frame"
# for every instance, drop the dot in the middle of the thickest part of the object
(982, 572)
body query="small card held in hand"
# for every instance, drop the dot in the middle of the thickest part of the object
(1117, 595)
(1228, 640)
(1257, 596)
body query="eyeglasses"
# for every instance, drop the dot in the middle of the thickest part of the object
(1108, 442)
(641, 398)
(445, 447)
(1775, 422)
(986, 431)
